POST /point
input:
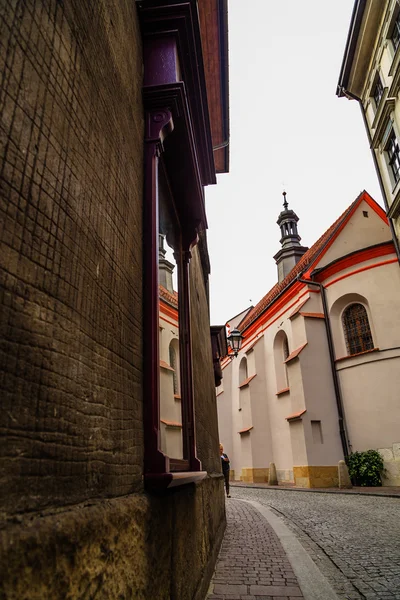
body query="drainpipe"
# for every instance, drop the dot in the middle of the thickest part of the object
(383, 192)
(339, 401)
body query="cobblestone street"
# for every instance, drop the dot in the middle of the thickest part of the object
(252, 563)
(354, 540)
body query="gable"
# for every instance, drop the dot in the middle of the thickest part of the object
(360, 231)
(234, 321)
(351, 232)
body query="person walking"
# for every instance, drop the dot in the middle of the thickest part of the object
(226, 466)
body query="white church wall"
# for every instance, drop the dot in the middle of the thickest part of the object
(371, 400)
(261, 432)
(224, 410)
(320, 399)
(360, 232)
(279, 406)
(370, 381)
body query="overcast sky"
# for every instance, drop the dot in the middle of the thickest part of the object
(288, 131)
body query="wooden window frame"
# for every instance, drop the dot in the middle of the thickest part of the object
(178, 134)
(356, 345)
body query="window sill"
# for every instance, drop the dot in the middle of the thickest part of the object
(246, 381)
(246, 430)
(161, 482)
(388, 106)
(296, 416)
(357, 354)
(166, 366)
(172, 424)
(283, 391)
(295, 353)
(395, 195)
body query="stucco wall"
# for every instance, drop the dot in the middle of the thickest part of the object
(320, 397)
(360, 232)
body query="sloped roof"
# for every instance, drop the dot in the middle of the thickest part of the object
(306, 260)
(168, 297)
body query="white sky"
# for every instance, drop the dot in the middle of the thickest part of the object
(288, 130)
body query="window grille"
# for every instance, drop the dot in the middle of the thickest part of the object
(356, 329)
(285, 348)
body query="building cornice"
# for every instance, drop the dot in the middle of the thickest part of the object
(179, 21)
(351, 44)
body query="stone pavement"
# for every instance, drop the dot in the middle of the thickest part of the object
(390, 492)
(354, 540)
(252, 564)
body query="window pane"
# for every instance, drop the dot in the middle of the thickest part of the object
(171, 423)
(377, 92)
(396, 32)
(357, 329)
(393, 151)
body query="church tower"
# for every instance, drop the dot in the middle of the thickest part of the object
(291, 251)
(165, 268)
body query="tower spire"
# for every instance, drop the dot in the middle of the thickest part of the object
(291, 251)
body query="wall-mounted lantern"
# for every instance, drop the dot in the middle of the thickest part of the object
(235, 341)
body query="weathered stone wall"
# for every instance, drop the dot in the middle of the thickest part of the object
(70, 253)
(76, 523)
(203, 373)
(133, 547)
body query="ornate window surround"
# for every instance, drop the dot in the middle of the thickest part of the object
(177, 132)
(350, 335)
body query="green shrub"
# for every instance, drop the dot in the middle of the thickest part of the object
(365, 468)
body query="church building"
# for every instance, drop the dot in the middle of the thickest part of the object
(318, 373)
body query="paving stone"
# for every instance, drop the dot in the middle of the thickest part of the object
(353, 539)
(274, 590)
(229, 588)
(252, 564)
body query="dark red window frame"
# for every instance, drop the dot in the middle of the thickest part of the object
(177, 132)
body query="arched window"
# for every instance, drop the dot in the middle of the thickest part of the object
(281, 352)
(356, 329)
(173, 361)
(243, 372)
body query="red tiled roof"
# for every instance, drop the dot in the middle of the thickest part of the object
(295, 353)
(301, 266)
(168, 297)
(313, 315)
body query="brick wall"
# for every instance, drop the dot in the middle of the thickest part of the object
(71, 135)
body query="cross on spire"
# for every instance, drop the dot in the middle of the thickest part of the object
(285, 202)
